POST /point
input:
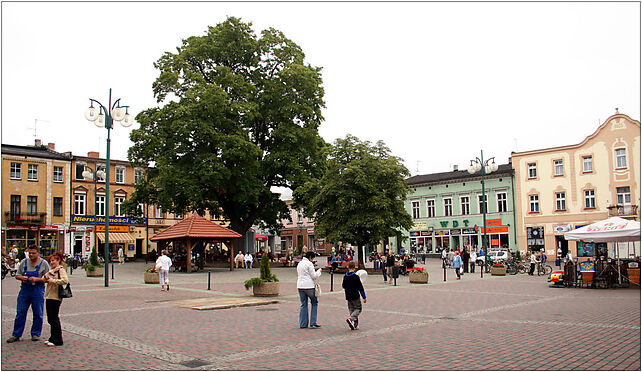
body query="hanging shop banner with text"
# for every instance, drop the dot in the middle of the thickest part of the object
(112, 219)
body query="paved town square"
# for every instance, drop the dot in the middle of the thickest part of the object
(495, 323)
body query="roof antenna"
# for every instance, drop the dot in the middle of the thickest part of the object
(35, 126)
(417, 167)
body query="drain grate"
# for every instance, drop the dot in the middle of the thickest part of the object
(195, 363)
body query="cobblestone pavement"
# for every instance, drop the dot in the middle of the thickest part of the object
(494, 323)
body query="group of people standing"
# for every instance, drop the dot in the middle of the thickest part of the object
(462, 260)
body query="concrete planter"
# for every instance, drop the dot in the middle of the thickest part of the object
(96, 272)
(499, 271)
(418, 277)
(267, 289)
(151, 278)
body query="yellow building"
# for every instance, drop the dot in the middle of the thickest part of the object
(559, 189)
(35, 196)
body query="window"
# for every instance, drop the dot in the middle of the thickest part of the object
(15, 206)
(100, 205)
(532, 170)
(560, 201)
(57, 206)
(57, 174)
(140, 209)
(299, 217)
(120, 175)
(415, 210)
(587, 164)
(79, 204)
(138, 175)
(465, 205)
(430, 208)
(483, 203)
(32, 205)
(534, 203)
(16, 171)
(558, 167)
(624, 195)
(501, 202)
(620, 158)
(103, 168)
(118, 202)
(589, 198)
(32, 172)
(179, 216)
(448, 207)
(80, 167)
(159, 212)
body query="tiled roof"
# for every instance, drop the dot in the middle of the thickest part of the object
(33, 151)
(503, 169)
(195, 227)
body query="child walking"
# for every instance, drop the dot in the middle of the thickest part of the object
(353, 287)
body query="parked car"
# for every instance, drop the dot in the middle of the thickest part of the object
(495, 256)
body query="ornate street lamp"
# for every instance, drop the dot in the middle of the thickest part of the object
(105, 119)
(485, 166)
(91, 174)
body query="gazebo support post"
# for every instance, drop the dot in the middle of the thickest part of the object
(188, 264)
(231, 254)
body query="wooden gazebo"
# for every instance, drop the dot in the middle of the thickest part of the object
(196, 229)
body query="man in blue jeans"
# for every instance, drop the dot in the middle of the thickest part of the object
(32, 293)
(305, 284)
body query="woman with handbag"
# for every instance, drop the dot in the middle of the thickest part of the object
(55, 278)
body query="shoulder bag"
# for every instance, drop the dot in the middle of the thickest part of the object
(64, 291)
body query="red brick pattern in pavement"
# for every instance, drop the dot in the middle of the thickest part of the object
(507, 323)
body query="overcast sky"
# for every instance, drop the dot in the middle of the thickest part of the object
(437, 82)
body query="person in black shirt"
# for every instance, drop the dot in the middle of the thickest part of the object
(353, 288)
(390, 263)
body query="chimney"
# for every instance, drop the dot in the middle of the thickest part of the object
(93, 154)
(455, 167)
(52, 146)
(38, 143)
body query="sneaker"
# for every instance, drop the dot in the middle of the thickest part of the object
(315, 326)
(350, 323)
(168, 287)
(13, 339)
(35, 338)
(49, 343)
(356, 327)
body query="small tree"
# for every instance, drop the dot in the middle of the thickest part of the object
(266, 274)
(518, 256)
(93, 261)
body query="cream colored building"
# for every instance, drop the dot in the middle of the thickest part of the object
(559, 189)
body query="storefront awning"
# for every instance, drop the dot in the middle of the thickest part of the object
(260, 237)
(116, 238)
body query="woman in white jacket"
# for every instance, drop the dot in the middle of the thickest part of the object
(305, 284)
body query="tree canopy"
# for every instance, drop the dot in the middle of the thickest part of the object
(237, 114)
(360, 197)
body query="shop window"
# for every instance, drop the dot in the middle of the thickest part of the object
(587, 164)
(32, 172)
(620, 158)
(57, 206)
(16, 171)
(57, 174)
(589, 198)
(558, 167)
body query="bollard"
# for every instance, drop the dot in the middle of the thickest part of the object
(112, 271)
(444, 266)
(331, 279)
(208, 279)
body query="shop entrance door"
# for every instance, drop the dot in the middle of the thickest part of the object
(562, 244)
(78, 245)
(139, 248)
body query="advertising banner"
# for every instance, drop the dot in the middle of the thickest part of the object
(89, 220)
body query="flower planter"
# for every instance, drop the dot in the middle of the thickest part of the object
(96, 272)
(418, 277)
(634, 276)
(499, 271)
(266, 289)
(151, 278)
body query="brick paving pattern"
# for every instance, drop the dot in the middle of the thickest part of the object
(497, 323)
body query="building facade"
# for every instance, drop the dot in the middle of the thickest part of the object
(563, 188)
(35, 196)
(446, 209)
(299, 233)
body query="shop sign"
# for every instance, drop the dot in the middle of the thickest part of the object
(420, 226)
(442, 232)
(455, 231)
(454, 223)
(561, 229)
(414, 233)
(101, 228)
(112, 220)
(468, 231)
(49, 227)
(426, 233)
(494, 222)
(587, 267)
(495, 229)
(494, 242)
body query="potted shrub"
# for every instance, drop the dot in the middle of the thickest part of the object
(94, 268)
(498, 269)
(418, 275)
(265, 285)
(151, 275)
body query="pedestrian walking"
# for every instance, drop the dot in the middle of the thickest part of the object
(353, 288)
(248, 260)
(32, 293)
(121, 256)
(465, 258)
(390, 263)
(305, 285)
(383, 269)
(163, 264)
(54, 278)
(533, 260)
(456, 264)
(238, 260)
(473, 260)
(13, 252)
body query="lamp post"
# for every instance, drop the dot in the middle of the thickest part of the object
(105, 119)
(91, 174)
(485, 166)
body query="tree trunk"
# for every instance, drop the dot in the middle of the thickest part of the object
(361, 258)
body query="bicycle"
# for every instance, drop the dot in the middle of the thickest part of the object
(543, 269)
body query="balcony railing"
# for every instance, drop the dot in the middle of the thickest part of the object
(25, 218)
(622, 210)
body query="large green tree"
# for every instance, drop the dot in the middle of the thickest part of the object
(237, 114)
(360, 197)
